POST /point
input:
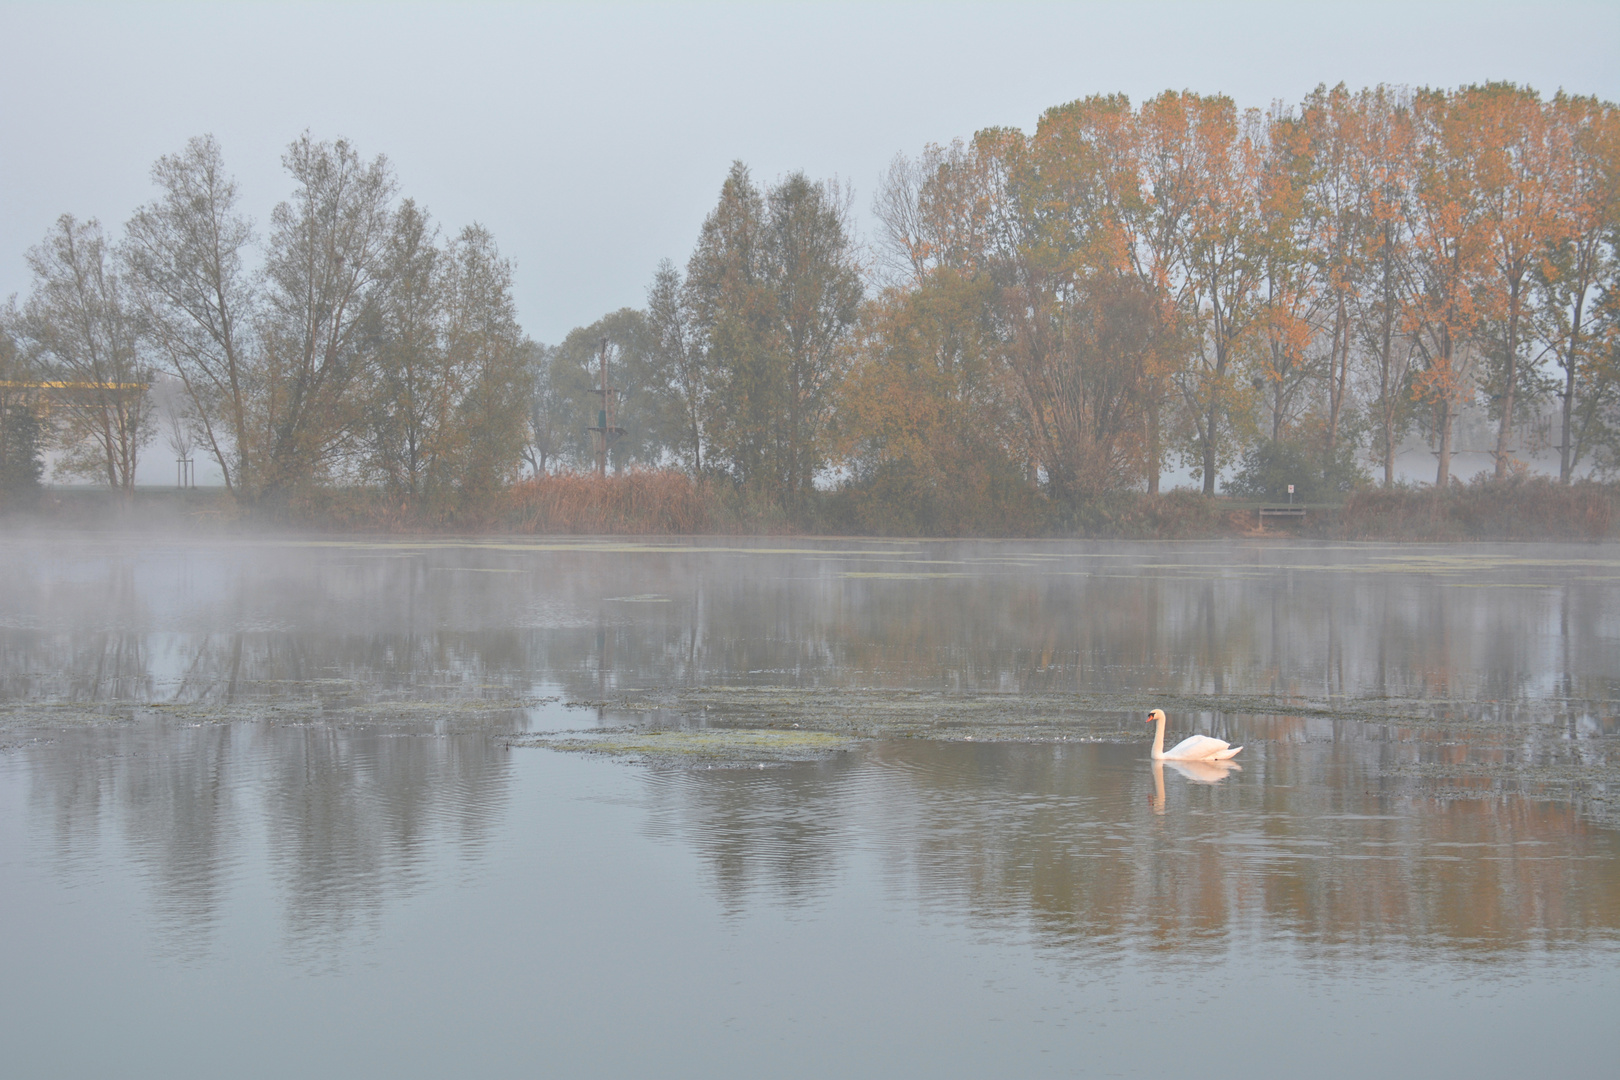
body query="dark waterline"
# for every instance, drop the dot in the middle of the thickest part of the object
(257, 815)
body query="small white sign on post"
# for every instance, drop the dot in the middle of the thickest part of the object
(1290, 494)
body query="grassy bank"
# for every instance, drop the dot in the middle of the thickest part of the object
(668, 502)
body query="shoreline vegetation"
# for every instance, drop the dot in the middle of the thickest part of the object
(669, 502)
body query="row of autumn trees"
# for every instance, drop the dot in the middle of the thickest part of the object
(1051, 315)
(1131, 288)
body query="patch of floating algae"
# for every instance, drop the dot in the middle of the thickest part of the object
(722, 745)
(897, 575)
(32, 718)
(1101, 716)
(608, 545)
(857, 715)
(1594, 788)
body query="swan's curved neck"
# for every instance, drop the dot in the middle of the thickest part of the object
(1158, 737)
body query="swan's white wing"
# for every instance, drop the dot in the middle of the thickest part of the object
(1205, 772)
(1197, 748)
(1224, 754)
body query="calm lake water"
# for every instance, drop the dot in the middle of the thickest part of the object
(274, 808)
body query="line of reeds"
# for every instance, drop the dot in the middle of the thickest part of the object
(670, 502)
(1521, 509)
(638, 502)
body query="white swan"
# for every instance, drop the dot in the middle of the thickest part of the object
(1192, 748)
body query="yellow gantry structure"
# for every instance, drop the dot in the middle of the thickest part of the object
(43, 394)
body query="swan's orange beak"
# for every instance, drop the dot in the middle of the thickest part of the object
(1150, 718)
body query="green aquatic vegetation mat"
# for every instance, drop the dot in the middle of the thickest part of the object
(1526, 747)
(1100, 715)
(689, 746)
(294, 703)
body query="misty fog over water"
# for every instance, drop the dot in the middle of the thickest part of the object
(264, 807)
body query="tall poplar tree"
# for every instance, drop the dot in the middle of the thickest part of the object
(485, 345)
(1580, 263)
(1515, 157)
(732, 312)
(774, 288)
(324, 265)
(1224, 275)
(410, 413)
(1449, 241)
(1382, 156)
(186, 252)
(80, 325)
(816, 287)
(678, 361)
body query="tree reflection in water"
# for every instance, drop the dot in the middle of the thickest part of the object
(339, 703)
(1303, 845)
(342, 817)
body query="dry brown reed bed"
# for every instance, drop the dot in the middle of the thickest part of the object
(1526, 509)
(642, 502)
(637, 502)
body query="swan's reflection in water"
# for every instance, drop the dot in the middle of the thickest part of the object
(1198, 772)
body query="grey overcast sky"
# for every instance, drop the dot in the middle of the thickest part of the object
(592, 138)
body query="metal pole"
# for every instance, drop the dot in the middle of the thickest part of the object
(607, 423)
(608, 410)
